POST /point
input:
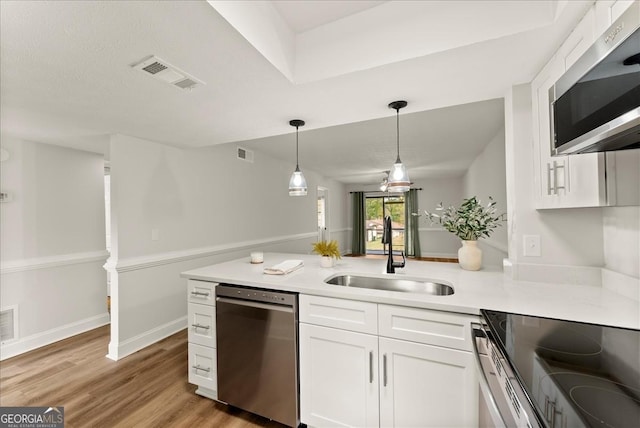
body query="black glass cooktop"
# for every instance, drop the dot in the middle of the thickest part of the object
(576, 375)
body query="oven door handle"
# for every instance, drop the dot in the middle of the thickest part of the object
(477, 333)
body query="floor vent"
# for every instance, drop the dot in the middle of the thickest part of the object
(162, 70)
(8, 326)
(245, 155)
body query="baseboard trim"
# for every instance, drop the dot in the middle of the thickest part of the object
(136, 263)
(21, 345)
(118, 351)
(52, 261)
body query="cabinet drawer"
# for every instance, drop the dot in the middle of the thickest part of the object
(201, 292)
(350, 315)
(202, 367)
(426, 326)
(202, 324)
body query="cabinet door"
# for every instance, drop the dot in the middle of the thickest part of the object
(426, 386)
(607, 11)
(578, 41)
(338, 377)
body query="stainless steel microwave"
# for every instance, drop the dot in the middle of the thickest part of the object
(595, 105)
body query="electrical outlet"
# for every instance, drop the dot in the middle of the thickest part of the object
(155, 234)
(531, 244)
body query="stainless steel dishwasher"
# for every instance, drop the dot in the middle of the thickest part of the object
(257, 340)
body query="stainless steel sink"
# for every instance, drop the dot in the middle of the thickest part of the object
(391, 284)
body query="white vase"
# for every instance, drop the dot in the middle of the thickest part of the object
(470, 256)
(326, 261)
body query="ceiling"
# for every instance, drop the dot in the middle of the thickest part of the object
(66, 71)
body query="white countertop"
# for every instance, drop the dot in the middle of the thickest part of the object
(484, 289)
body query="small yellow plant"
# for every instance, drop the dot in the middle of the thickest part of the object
(328, 249)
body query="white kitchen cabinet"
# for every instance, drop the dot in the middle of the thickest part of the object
(580, 39)
(607, 11)
(201, 318)
(426, 386)
(338, 377)
(564, 181)
(344, 373)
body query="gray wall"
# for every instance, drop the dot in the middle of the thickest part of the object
(53, 243)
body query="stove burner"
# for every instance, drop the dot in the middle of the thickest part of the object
(606, 406)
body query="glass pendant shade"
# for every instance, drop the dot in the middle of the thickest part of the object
(398, 178)
(297, 184)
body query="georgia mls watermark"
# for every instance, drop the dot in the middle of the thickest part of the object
(31, 417)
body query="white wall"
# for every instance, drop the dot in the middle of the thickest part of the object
(434, 240)
(206, 206)
(486, 177)
(52, 242)
(621, 228)
(571, 240)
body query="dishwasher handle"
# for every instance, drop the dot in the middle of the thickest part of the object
(258, 305)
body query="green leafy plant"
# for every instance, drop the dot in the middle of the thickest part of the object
(327, 248)
(470, 221)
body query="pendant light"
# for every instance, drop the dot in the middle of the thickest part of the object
(297, 184)
(398, 178)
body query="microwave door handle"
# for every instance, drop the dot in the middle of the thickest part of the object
(492, 407)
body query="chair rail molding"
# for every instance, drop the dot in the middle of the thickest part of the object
(22, 265)
(153, 260)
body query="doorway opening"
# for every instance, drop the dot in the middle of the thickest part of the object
(376, 209)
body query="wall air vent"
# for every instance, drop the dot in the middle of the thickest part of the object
(8, 324)
(245, 155)
(162, 70)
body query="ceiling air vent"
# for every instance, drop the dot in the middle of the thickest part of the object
(162, 70)
(245, 155)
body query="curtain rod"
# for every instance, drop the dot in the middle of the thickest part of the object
(380, 191)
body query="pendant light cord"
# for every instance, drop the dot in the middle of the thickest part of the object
(297, 167)
(398, 134)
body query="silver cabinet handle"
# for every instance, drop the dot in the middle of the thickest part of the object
(370, 366)
(550, 189)
(204, 369)
(556, 167)
(199, 293)
(384, 370)
(201, 326)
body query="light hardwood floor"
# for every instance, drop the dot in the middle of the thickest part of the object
(146, 389)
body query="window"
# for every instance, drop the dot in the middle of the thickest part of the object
(377, 208)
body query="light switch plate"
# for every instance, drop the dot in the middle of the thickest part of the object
(531, 244)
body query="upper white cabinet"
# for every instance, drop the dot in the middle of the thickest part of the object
(578, 41)
(564, 181)
(607, 11)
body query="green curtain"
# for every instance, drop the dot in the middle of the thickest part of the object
(358, 211)
(411, 224)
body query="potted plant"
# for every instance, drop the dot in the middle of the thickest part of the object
(328, 250)
(470, 222)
